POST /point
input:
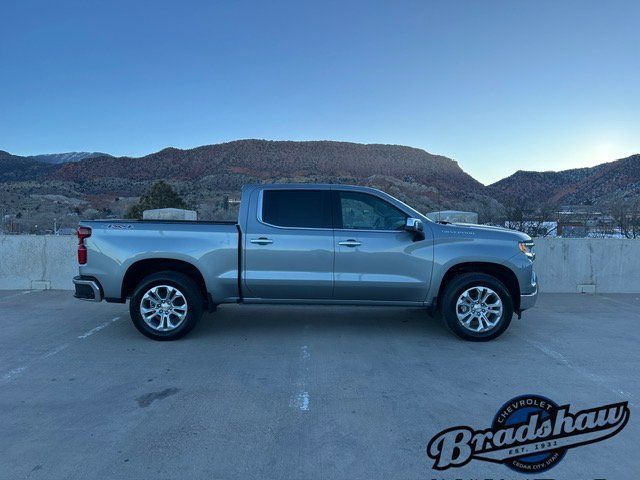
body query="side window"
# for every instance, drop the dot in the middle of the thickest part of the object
(297, 208)
(361, 211)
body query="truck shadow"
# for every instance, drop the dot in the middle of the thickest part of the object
(284, 319)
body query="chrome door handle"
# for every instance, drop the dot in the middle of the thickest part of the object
(350, 243)
(261, 241)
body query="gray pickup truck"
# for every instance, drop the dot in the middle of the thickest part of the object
(308, 244)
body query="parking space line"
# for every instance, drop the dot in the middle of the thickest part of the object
(55, 351)
(11, 374)
(300, 399)
(591, 376)
(97, 329)
(628, 305)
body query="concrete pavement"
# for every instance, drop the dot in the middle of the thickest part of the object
(296, 392)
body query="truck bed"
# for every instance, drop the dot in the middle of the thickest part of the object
(116, 247)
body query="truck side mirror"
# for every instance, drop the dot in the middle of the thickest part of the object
(416, 227)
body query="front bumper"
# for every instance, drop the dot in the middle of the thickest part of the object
(529, 300)
(87, 288)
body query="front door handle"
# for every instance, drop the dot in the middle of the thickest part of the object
(350, 243)
(261, 241)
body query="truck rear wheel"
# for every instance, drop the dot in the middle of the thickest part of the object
(166, 305)
(476, 307)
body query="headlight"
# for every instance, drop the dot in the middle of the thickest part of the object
(527, 249)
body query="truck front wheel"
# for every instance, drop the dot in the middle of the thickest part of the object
(476, 307)
(166, 305)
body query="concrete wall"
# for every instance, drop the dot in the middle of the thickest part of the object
(590, 265)
(603, 265)
(39, 262)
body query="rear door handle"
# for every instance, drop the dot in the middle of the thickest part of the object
(261, 241)
(350, 243)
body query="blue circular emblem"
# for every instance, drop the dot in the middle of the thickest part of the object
(518, 411)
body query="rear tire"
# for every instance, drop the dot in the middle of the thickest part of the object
(476, 307)
(166, 305)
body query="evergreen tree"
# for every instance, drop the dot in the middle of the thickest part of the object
(159, 195)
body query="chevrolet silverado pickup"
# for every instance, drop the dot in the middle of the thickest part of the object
(308, 244)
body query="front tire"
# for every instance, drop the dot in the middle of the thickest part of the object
(166, 305)
(477, 307)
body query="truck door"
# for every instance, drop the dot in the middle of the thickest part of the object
(288, 246)
(376, 259)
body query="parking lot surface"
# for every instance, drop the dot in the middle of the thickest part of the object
(296, 392)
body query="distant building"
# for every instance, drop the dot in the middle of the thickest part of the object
(453, 216)
(582, 221)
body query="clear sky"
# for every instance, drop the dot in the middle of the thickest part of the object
(497, 86)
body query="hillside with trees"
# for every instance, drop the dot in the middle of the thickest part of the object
(208, 177)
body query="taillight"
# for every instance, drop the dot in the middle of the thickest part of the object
(83, 232)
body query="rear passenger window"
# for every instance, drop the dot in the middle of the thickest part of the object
(297, 208)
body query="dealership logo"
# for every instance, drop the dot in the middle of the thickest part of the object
(529, 434)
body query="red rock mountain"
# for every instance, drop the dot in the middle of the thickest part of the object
(602, 184)
(270, 160)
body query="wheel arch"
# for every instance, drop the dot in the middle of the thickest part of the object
(501, 272)
(145, 267)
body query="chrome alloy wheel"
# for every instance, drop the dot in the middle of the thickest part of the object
(163, 308)
(479, 309)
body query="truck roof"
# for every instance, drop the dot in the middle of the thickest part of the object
(311, 186)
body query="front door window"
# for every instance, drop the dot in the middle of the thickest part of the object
(361, 211)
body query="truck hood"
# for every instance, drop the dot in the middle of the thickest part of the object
(483, 231)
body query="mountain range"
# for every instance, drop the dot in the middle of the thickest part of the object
(57, 158)
(100, 184)
(601, 185)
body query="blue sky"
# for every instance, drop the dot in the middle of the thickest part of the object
(497, 86)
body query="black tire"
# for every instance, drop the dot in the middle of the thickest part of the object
(186, 286)
(456, 287)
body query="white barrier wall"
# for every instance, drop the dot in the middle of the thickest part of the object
(603, 265)
(37, 261)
